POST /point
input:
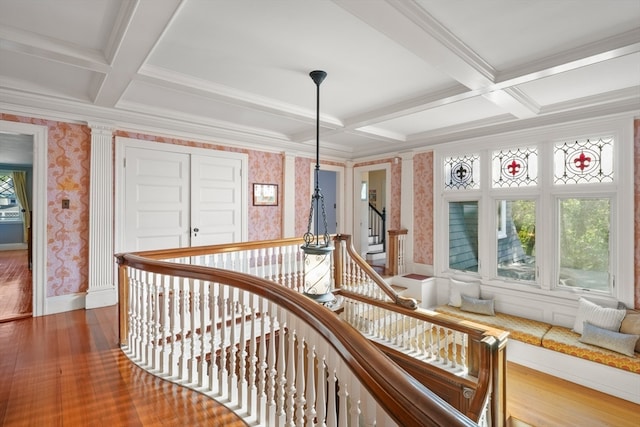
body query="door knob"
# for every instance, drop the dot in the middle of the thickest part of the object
(195, 230)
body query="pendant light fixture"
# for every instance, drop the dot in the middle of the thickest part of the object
(317, 247)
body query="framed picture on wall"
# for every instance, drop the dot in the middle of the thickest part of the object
(265, 194)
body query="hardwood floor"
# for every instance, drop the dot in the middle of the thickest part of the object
(16, 294)
(542, 400)
(66, 370)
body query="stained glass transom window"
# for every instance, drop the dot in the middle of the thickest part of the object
(515, 167)
(584, 161)
(462, 172)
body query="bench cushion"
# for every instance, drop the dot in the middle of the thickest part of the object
(568, 342)
(521, 329)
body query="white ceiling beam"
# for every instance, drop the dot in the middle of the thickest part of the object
(28, 43)
(138, 30)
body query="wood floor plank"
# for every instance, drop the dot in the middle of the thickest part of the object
(16, 289)
(543, 400)
(66, 370)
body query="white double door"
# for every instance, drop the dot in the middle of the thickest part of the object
(176, 199)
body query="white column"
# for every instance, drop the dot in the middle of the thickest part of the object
(289, 196)
(102, 289)
(406, 203)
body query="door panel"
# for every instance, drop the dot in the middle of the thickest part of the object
(216, 209)
(156, 199)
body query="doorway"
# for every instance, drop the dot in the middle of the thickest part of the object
(31, 283)
(372, 184)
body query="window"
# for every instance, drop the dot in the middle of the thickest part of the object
(543, 213)
(516, 251)
(463, 236)
(584, 243)
(9, 207)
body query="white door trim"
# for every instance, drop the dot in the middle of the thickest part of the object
(123, 143)
(39, 209)
(357, 171)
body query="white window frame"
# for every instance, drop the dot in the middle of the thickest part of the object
(546, 195)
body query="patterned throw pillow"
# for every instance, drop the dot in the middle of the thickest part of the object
(478, 306)
(602, 317)
(615, 341)
(458, 288)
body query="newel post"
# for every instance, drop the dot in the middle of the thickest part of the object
(338, 257)
(123, 298)
(396, 251)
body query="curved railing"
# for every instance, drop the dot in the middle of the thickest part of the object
(186, 314)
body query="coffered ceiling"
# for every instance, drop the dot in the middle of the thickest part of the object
(402, 74)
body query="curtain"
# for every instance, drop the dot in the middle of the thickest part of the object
(20, 186)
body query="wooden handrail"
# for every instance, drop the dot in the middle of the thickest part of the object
(406, 401)
(375, 277)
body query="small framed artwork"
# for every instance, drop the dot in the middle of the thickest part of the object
(265, 194)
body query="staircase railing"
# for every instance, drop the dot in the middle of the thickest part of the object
(378, 225)
(186, 314)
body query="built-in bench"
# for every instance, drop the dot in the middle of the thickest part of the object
(556, 350)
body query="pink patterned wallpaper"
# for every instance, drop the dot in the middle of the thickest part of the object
(68, 156)
(303, 197)
(636, 155)
(423, 208)
(395, 205)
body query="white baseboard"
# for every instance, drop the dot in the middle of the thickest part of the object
(609, 380)
(101, 298)
(64, 303)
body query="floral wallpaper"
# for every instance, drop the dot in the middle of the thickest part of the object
(636, 186)
(396, 196)
(303, 197)
(423, 208)
(68, 156)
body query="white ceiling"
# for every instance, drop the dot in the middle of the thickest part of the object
(401, 74)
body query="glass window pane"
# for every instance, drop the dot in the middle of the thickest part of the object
(462, 173)
(584, 243)
(515, 167)
(463, 236)
(583, 161)
(516, 235)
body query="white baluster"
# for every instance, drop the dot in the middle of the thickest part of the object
(300, 398)
(290, 388)
(233, 349)
(214, 304)
(282, 373)
(245, 370)
(271, 369)
(260, 362)
(310, 398)
(223, 377)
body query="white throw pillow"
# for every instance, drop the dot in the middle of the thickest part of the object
(602, 317)
(457, 288)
